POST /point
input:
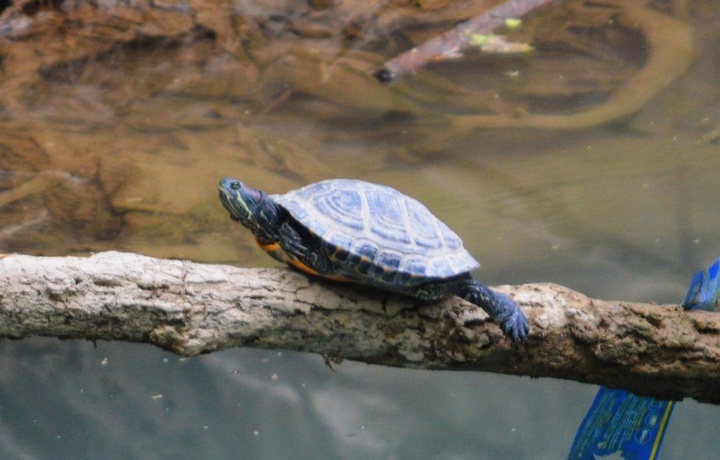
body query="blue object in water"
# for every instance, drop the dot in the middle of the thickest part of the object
(704, 289)
(619, 422)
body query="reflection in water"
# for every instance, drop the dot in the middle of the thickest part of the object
(118, 121)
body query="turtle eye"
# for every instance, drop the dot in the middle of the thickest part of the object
(235, 185)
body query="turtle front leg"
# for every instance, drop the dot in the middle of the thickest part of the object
(300, 253)
(501, 307)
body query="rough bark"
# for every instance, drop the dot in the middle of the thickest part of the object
(191, 308)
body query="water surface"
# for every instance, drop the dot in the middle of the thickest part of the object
(121, 147)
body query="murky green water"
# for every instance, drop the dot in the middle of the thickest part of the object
(124, 151)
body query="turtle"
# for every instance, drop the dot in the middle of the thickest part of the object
(356, 231)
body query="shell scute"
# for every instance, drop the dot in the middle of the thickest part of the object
(424, 226)
(345, 206)
(367, 250)
(389, 260)
(388, 220)
(339, 240)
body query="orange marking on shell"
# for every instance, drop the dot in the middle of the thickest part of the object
(278, 253)
(270, 247)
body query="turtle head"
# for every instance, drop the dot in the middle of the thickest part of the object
(252, 208)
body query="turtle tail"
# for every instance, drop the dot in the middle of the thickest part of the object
(501, 307)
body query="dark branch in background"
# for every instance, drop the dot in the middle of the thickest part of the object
(190, 308)
(455, 40)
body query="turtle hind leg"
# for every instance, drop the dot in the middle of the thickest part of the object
(501, 307)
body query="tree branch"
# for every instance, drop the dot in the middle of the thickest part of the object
(191, 308)
(456, 39)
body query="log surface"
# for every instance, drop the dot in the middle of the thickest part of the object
(190, 308)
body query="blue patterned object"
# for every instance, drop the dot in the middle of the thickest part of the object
(619, 422)
(704, 289)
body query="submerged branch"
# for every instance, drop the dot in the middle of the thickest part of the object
(191, 308)
(456, 39)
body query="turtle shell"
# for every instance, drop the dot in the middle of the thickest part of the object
(375, 233)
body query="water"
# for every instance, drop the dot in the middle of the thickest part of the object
(124, 151)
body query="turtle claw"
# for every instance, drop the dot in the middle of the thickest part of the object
(511, 319)
(499, 306)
